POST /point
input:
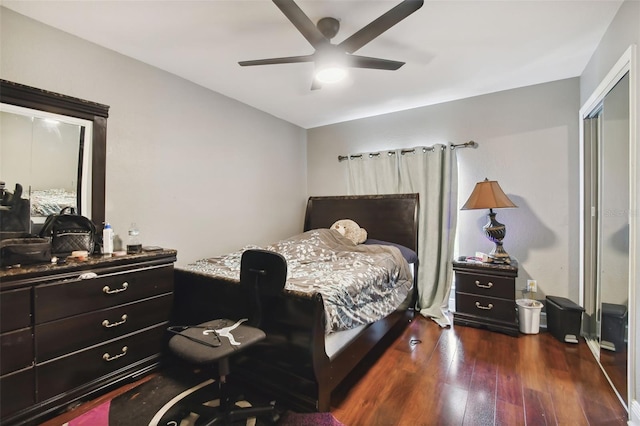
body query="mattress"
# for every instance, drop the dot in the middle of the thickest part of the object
(51, 201)
(359, 284)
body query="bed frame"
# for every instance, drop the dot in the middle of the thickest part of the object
(291, 364)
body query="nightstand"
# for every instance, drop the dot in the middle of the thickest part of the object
(485, 295)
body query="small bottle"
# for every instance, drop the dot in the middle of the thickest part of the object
(133, 243)
(107, 239)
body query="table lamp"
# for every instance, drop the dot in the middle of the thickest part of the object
(488, 195)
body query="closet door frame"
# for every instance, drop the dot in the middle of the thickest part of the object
(626, 64)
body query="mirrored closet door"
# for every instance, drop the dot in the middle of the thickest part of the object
(606, 231)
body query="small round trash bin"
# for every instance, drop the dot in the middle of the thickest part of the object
(529, 315)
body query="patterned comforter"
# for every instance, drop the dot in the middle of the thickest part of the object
(51, 201)
(359, 284)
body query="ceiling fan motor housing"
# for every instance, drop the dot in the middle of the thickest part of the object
(329, 27)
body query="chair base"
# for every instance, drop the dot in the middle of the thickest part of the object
(229, 413)
(268, 412)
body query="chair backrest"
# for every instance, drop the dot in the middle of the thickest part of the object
(262, 277)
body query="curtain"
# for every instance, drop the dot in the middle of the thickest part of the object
(433, 174)
(375, 173)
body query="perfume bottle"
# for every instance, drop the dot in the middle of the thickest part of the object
(134, 245)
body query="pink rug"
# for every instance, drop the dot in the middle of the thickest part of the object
(99, 416)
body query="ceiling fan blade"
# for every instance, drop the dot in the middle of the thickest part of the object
(302, 22)
(274, 61)
(374, 63)
(380, 25)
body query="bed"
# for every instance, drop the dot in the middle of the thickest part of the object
(45, 202)
(304, 359)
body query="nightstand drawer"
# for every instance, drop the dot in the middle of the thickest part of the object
(485, 285)
(486, 307)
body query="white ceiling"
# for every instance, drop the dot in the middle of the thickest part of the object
(453, 49)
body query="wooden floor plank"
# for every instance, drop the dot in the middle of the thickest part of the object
(509, 383)
(538, 408)
(508, 414)
(481, 402)
(464, 361)
(566, 399)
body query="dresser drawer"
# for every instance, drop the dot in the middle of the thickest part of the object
(16, 350)
(15, 309)
(63, 374)
(57, 338)
(68, 298)
(485, 285)
(17, 391)
(486, 307)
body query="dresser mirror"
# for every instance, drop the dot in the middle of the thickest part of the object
(607, 148)
(52, 155)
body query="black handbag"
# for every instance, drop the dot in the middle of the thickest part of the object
(24, 251)
(69, 232)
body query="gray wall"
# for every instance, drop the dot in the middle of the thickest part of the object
(205, 174)
(528, 142)
(197, 171)
(623, 32)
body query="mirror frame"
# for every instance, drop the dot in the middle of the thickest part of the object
(42, 100)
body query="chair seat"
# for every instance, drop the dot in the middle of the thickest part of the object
(199, 353)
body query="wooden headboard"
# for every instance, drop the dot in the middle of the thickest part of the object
(392, 218)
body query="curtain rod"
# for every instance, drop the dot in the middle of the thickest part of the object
(470, 144)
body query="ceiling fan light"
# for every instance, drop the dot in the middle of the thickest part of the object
(331, 74)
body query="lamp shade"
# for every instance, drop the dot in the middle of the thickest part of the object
(487, 195)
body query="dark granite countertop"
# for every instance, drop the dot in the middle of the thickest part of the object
(11, 274)
(489, 266)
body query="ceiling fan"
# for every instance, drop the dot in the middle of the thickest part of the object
(329, 57)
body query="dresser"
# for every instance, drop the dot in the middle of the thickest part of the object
(71, 331)
(485, 295)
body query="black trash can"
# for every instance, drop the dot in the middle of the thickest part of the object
(564, 319)
(614, 321)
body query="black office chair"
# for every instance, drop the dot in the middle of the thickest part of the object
(262, 277)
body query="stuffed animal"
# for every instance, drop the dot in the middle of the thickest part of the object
(351, 230)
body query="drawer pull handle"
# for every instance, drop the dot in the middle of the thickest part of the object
(110, 358)
(107, 324)
(488, 307)
(489, 285)
(107, 290)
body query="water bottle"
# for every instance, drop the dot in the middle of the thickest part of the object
(107, 239)
(134, 245)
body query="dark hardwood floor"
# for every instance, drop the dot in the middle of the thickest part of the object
(467, 376)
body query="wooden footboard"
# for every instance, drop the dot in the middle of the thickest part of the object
(291, 364)
(377, 335)
(284, 364)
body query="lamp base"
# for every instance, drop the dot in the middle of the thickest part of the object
(495, 232)
(499, 255)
